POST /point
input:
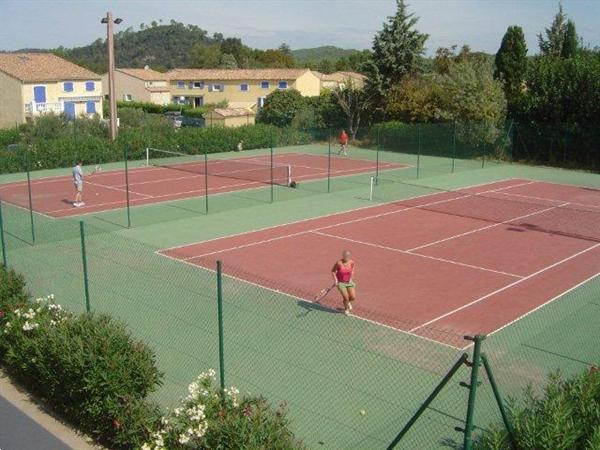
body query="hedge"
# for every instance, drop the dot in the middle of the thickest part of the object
(57, 143)
(91, 371)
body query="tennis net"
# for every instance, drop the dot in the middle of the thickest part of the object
(236, 168)
(490, 204)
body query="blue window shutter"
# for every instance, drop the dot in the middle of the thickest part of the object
(70, 110)
(68, 86)
(90, 86)
(90, 107)
(39, 94)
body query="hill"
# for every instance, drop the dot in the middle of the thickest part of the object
(304, 55)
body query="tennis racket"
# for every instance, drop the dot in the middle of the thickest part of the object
(323, 293)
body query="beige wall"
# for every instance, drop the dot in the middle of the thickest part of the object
(128, 85)
(308, 85)
(12, 104)
(237, 121)
(55, 94)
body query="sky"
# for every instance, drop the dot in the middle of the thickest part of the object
(299, 23)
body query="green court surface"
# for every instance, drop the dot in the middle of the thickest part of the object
(326, 367)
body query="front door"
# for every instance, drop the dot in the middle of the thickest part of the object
(198, 101)
(70, 110)
(39, 94)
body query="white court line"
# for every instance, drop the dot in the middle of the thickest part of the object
(359, 219)
(506, 287)
(114, 188)
(325, 216)
(406, 252)
(295, 297)
(487, 227)
(549, 200)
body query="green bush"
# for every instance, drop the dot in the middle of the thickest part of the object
(210, 419)
(566, 416)
(87, 368)
(9, 136)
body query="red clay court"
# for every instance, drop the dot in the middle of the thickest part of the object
(106, 191)
(436, 266)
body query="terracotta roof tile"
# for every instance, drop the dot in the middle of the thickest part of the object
(233, 112)
(235, 74)
(145, 74)
(32, 67)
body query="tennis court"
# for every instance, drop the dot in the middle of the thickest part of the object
(168, 176)
(474, 260)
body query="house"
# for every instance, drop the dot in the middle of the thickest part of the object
(139, 85)
(340, 79)
(240, 88)
(229, 117)
(32, 84)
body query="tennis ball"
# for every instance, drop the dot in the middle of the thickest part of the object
(363, 412)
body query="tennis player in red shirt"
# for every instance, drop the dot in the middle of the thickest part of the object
(343, 273)
(343, 139)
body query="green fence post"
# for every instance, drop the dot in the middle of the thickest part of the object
(498, 397)
(329, 161)
(30, 197)
(454, 147)
(377, 159)
(272, 181)
(220, 313)
(2, 241)
(206, 182)
(474, 382)
(418, 150)
(126, 155)
(85, 268)
(462, 360)
(483, 156)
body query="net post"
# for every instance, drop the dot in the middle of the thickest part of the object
(457, 365)
(371, 189)
(454, 147)
(377, 158)
(126, 156)
(418, 150)
(473, 383)
(220, 317)
(272, 180)
(329, 161)
(85, 268)
(2, 241)
(30, 197)
(147, 156)
(499, 401)
(206, 182)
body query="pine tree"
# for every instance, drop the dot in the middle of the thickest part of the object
(552, 44)
(398, 47)
(570, 45)
(511, 62)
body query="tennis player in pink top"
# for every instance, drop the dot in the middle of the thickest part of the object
(343, 273)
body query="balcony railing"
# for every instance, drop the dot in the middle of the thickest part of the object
(34, 108)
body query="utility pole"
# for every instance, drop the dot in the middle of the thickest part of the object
(108, 20)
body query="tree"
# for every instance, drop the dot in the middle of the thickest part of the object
(398, 47)
(285, 49)
(416, 99)
(228, 61)
(354, 103)
(275, 59)
(281, 107)
(511, 63)
(570, 45)
(325, 66)
(552, 43)
(205, 56)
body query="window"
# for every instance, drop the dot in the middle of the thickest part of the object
(190, 85)
(68, 86)
(260, 103)
(198, 84)
(244, 87)
(90, 107)
(180, 84)
(90, 86)
(128, 97)
(216, 88)
(282, 85)
(265, 84)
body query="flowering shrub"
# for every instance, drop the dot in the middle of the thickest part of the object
(208, 418)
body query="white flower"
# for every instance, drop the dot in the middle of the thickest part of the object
(39, 300)
(146, 447)
(183, 439)
(8, 325)
(51, 296)
(177, 411)
(30, 326)
(52, 322)
(164, 421)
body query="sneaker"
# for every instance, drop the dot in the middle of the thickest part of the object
(347, 312)
(76, 204)
(349, 306)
